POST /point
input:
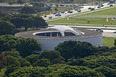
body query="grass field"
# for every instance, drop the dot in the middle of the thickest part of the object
(108, 41)
(84, 20)
(94, 21)
(107, 12)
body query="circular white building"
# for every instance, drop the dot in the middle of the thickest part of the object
(52, 36)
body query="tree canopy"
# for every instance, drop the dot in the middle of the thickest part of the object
(6, 27)
(74, 49)
(24, 46)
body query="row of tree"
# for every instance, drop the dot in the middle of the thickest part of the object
(9, 24)
(69, 59)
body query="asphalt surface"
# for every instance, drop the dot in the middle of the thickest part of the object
(107, 32)
(84, 10)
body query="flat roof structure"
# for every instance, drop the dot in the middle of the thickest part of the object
(51, 37)
(29, 34)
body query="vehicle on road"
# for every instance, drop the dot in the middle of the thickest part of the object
(102, 5)
(54, 12)
(49, 17)
(45, 16)
(111, 5)
(69, 11)
(89, 8)
(114, 32)
(92, 8)
(76, 9)
(98, 7)
(58, 14)
(99, 30)
(63, 12)
(79, 10)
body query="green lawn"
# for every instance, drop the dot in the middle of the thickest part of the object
(84, 20)
(107, 12)
(94, 21)
(108, 41)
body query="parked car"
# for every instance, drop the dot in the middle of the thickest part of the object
(114, 32)
(102, 5)
(89, 8)
(98, 7)
(111, 5)
(49, 17)
(79, 10)
(45, 16)
(58, 14)
(54, 12)
(69, 11)
(99, 30)
(63, 12)
(92, 8)
(76, 9)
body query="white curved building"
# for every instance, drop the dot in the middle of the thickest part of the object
(52, 36)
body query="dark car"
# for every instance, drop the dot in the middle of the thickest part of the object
(58, 14)
(98, 7)
(45, 16)
(92, 8)
(49, 17)
(76, 9)
(89, 8)
(114, 32)
(79, 10)
(111, 5)
(69, 11)
(62, 12)
(99, 30)
(54, 13)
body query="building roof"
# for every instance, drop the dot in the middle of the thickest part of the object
(29, 34)
(63, 29)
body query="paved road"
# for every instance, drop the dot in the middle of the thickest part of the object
(84, 10)
(106, 33)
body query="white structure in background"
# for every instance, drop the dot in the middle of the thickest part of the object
(52, 36)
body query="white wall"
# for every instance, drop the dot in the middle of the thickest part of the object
(49, 44)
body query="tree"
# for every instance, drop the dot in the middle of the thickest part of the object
(42, 63)
(27, 46)
(17, 21)
(2, 14)
(32, 58)
(27, 10)
(20, 2)
(13, 53)
(23, 45)
(115, 42)
(108, 72)
(20, 21)
(6, 27)
(39, 22)
(74, 49)
(28, 21)
(12, 61)
(2, 61)
(29, 72)
(51, 55)
(24, 62)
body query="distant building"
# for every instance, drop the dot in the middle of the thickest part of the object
(52, 36)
